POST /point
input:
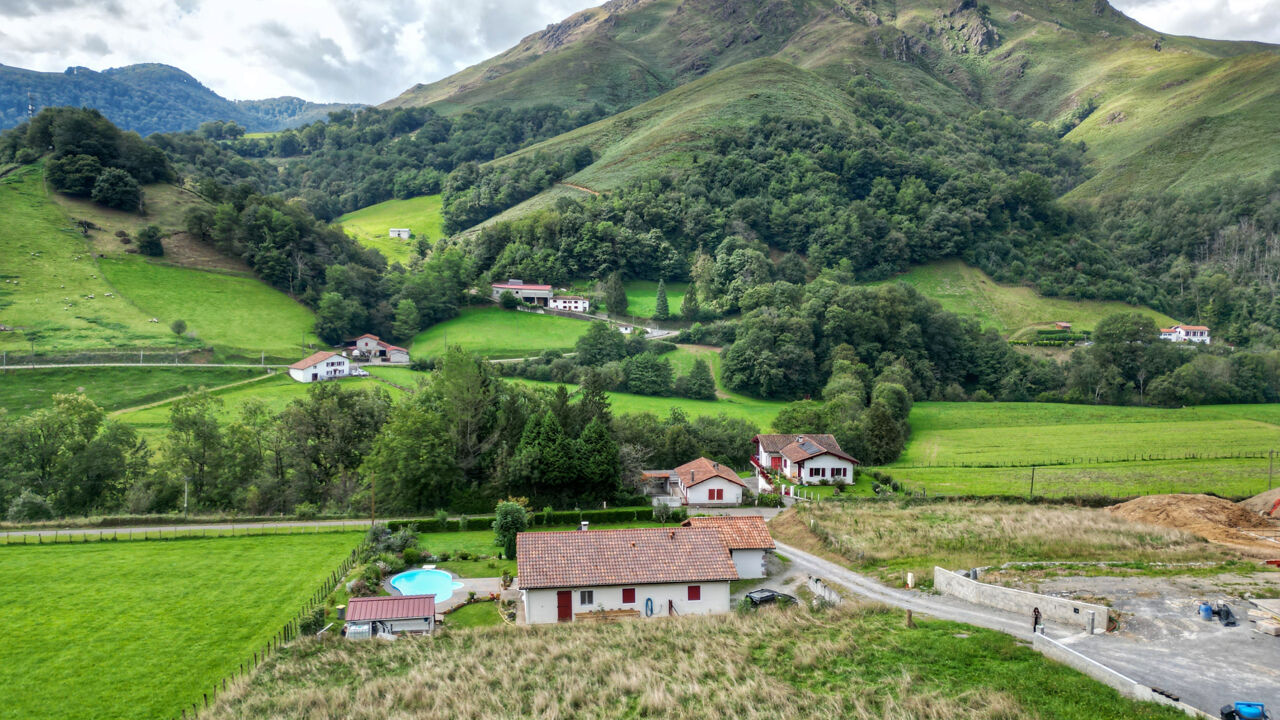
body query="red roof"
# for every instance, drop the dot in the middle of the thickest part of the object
(508, 286)
(369, 335)
(701, 470)
(313, 359)
(798, 448)
(393, 607)
(1194, 327)
(639, 556)
(741, 532)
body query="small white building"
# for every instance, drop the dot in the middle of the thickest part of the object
(747, 538)
(641, 572)
(401, 233)
(373, 349)
(701, 482)
(391, 615)
(324, 365)
(802, 459)
(532, 294)
(572, 303)
(1186, 333)
(626, 329)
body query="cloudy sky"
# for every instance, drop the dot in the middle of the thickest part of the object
(372, 50)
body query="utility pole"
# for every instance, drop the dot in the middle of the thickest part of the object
(1032, 494)
(185, 495)
(373, 499)
(1271, 466)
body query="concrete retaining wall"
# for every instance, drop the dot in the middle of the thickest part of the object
(1125, 686)
(1060, 610)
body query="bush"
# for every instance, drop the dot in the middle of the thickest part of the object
(662, 513)
(149, 241)
(312, 622)
(770, 500)
(305, 511)
(391, 563)
(117, 189)
(508, 300)
(412, 556)
(29, 507)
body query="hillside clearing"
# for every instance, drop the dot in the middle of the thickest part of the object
(759, 412)
(370, 225)
(154, 624)
(496, 333)
(113, 388)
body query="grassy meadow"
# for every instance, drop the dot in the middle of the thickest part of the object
(854, 661)
(496, 333)
(760, 412)
(642, 297)
(114, 388)
(1015, 311)
(369, 226)
(140, 629)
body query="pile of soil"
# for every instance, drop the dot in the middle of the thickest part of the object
(1214, 519)
(1262, 502)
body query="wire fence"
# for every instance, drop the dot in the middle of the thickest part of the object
(1097, 460)
(81, 536)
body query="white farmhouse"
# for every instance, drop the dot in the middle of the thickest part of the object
(401, 233)
(701, 482)
(391, 615)
(373, 349)
(747, 538)
(572, 303)
(1186, 333)
(642, 572)
(525, 292)
(802, 459)
(323, 365)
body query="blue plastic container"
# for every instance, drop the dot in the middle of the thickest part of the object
(1206, 611)
(1250, 711)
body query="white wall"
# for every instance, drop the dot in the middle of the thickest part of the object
(698, 495)
(827, 462)
(540, 605)
(750, 563)
(339, 368)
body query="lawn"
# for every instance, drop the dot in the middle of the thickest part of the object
(235, 312)
(854, 662)
(478, 614)
(496, 333)
(141, 629)
(402, 376)
(760, 412)
(1013, 310)
(114, 388)
(370, 225)
(642, 297)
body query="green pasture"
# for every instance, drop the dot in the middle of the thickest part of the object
(114, 388)
(496, 333)
(142, 629)
(401, 376)
(760, 412)
(642, 297)
(238, 313)
(1013, 310)
(370, 225)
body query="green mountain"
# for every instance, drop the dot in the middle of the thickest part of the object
(146, 98)
(1156, 112)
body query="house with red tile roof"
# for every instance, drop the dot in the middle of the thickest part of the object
(322, 365)
(701, 482)
(804, 459)
(391, 615)
(585, 575)
(524, 292)
(1186, 333)
(747, 538)
(372, 349)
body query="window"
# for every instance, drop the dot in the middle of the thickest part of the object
(628, 596)
(817, 472)
(586, 597)
(715, 494)
(695, 593)
(839, 472)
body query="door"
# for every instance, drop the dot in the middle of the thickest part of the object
(564, 606)
(775, 462)
(315, 376)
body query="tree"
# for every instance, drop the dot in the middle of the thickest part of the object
(179, 327)
(74, 174)
(407, 319)
(615, 295)
(149, 241)
(599, 464)
(699, 384)
(647, 374)
(661, 311)
(333, 318)
(689, 308)
(601, 343)
(511, 520)
(199, 222)
(195, 444)
(508, 300)
(117, 189)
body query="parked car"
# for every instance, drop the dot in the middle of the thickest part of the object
(765, 596)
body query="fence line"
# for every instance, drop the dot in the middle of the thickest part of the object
(1086, 460)
(68, 537)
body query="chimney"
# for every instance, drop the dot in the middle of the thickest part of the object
(673, 535)
(715, 465)
(583, 526)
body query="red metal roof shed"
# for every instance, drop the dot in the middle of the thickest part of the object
(394, 607)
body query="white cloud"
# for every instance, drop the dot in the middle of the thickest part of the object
(316, 49)
(1218, 19)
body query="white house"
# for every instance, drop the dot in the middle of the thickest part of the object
(391, 615)
(625, 329)
(324, 365)
(801, 459)
(532, 294)
(572, 303)
(373, 349)
(402, 233)
(747, 538)
(641, 572)
(1186, 333)
(701, 482)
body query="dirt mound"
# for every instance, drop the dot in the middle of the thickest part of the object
(1213, 519)
(1262, 502)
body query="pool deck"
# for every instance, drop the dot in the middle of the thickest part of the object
(480, 586)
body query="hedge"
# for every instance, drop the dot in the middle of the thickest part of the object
(555, 517)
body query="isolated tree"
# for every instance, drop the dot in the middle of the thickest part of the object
(179, 327)
(195, 444)
(661, 311)
(699, 384)
(117, 189)
(689, 308)
(647, 374)
(407, 319)
(511, 520)
(149, 241)
(601, 343)
(615, 295)
(508, 300)
(199, 222)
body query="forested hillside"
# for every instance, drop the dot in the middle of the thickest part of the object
(147, 98)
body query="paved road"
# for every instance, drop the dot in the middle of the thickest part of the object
(39, 366)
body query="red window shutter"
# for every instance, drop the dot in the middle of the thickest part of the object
(695, 592)
(628, 596)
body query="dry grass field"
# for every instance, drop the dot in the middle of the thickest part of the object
(852, 662)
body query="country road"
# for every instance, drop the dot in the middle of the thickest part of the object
(45, 366)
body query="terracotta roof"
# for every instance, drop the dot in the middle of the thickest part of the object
(1166, 330)
(509, 286)
(369, 335)
(1194, 327)
(797, 448)
(738, 532)
(393, 607)
(702, 469)
(312, 359)
(640, 556)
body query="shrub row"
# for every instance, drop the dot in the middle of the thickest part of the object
(554, 517)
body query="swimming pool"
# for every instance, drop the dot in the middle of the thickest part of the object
(426, 582)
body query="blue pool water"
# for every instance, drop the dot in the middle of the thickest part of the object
(426, 582)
